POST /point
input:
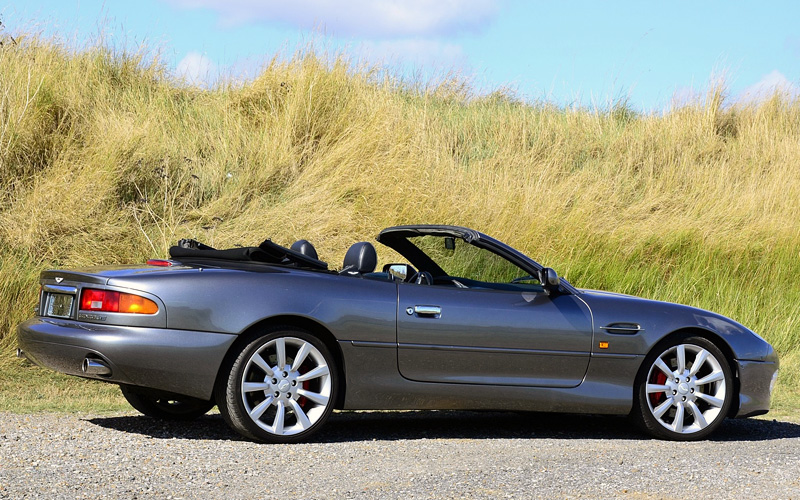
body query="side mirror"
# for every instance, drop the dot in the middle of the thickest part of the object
(549, 279)
(398, 271)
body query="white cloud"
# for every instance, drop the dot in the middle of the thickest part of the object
(414, 52)
(768, 86)
(378, 19)
(196, 69)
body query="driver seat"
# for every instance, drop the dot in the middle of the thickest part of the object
(360, 258)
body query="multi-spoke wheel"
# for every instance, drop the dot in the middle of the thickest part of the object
(281, 388)
(685, 391)
(165, 406)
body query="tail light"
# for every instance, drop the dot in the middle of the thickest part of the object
(159, 262)
(110, 301)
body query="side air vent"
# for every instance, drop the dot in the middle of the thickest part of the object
(622, 328)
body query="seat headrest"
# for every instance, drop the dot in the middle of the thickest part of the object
(360, 258)
(304, 247)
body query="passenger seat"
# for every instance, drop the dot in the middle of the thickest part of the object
(304, 247)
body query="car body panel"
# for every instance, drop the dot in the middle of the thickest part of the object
(756, 379)
(178, 361)
(232, 300)
(530, 340)
(605, 390)
(659, 319)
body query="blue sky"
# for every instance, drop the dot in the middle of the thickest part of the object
(568, 52)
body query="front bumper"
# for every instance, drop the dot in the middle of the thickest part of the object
(755, 380)
(179, 361)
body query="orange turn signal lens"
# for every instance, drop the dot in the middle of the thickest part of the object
(129, 303)
(110, 301)
(603, 345)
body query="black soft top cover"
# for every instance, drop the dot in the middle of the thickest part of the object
(267, 252)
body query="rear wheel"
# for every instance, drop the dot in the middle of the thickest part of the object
(280, 388)
(165, 407)
(684, 390)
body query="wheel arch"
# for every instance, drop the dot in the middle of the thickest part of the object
(712, 337)
(313, 327)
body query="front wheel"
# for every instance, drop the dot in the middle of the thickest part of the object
(684, 390)
(280, 388)
(163, 406)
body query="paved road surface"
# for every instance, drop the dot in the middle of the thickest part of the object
(393, 455)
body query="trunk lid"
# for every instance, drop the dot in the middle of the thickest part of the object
(102, 274)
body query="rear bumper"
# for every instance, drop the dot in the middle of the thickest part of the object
(755, 384)
(179, 361)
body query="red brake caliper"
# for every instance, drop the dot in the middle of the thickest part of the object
(302, 399)
(656, 397)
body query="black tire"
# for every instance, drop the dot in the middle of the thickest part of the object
(165, 407)
(688, 403)
(266, 402)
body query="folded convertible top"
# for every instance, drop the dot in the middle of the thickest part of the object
(267, 252)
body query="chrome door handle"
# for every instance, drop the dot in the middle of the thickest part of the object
(427, 311)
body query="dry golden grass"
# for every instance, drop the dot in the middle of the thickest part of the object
(104, 158)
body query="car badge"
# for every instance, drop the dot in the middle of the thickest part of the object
(59, 279)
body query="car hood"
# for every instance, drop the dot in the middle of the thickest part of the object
(628, 302)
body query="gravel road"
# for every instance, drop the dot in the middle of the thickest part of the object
(393, 455)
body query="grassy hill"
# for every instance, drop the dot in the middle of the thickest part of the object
(105, 158)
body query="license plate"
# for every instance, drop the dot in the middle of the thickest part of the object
(59, 305)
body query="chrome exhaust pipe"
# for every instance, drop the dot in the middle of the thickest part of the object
(94, 366)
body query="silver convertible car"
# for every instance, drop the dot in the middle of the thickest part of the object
(277, 341)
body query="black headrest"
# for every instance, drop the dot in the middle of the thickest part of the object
(360, 258)
(304, 247)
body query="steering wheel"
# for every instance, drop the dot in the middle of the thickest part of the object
(422, 278)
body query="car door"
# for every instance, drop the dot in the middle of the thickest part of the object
(495, 337)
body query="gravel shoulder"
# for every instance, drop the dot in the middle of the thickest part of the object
(393, 454)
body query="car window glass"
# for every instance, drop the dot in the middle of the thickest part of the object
(471, 262)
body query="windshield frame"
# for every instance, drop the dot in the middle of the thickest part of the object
(397, 238)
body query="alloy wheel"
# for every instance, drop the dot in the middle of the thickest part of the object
(286, 386)
(687, 389)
